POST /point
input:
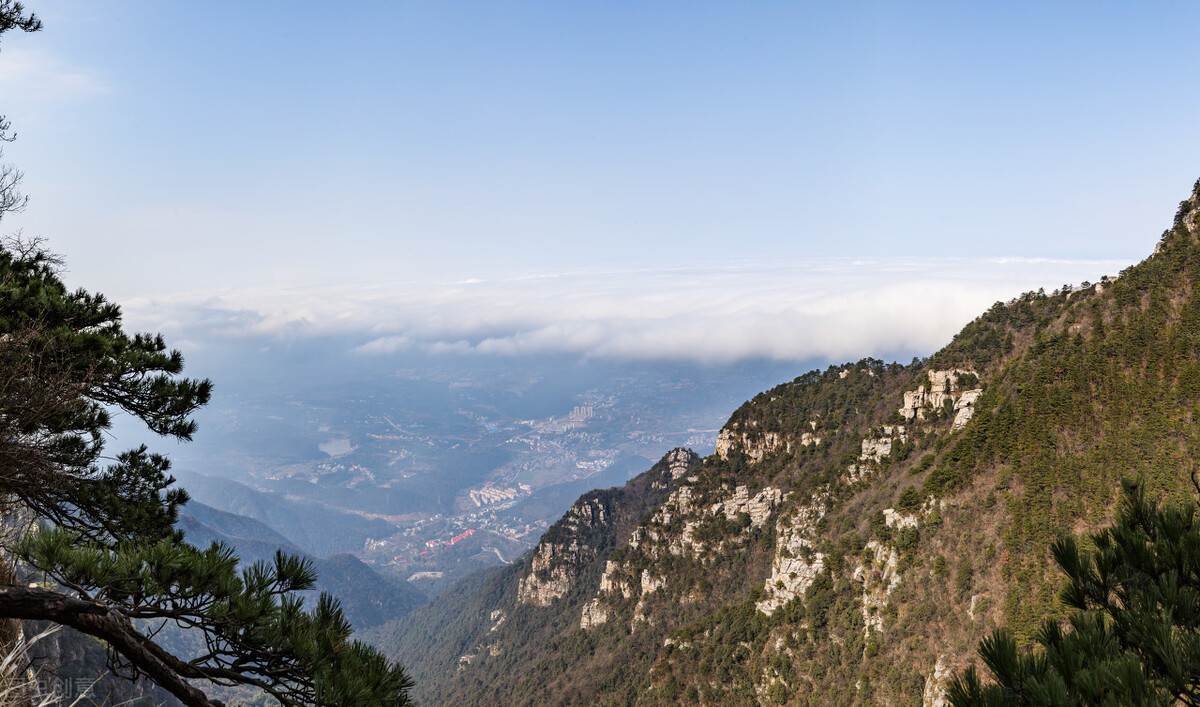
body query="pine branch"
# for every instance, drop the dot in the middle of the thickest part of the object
(95, 619)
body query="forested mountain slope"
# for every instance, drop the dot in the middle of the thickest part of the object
(367, 597)
(313, 527)
(859, 529)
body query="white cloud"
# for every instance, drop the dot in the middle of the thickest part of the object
(831, 309)
(37, 75)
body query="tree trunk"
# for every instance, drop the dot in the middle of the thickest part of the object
(95, 619)
(11, 632)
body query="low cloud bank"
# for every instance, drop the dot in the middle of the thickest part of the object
(834, 309)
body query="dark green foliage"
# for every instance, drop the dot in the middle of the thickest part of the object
(923, 465)
(985, 340)
(13, 16)
(1077, 668)
(900, 451)
(66, 363)
(819, 599)
(965, 575)
(905, 541)
(824, 397)
(251, 617)
(1134, 634)
(909, 501)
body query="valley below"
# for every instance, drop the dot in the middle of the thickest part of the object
(427, 475)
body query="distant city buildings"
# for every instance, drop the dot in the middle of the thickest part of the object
(577, 443)
(496, 493)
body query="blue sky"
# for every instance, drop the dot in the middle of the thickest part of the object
(237, 152)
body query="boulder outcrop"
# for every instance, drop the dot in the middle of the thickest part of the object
(548, 577)
(679, 460)
(758, 507)
(943, 388)
(756, 445)
(874, 449)
(964, 408)
(593, 614)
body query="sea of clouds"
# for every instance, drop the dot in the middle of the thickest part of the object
(831, 309)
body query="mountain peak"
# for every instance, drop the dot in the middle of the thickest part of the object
(1188, 214)
(1187, 221)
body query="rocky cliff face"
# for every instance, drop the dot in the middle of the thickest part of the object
(580, 537)
(858, 529)
(556, 563)
(797, 563)
(945, 395)
(656, 539)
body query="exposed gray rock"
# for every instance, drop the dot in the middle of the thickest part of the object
(974, 602)
(795, 565)
(593, 614)
(759, 507)
(856, 473)
(651, 583)
(547, 580)
(943, 386)
(875, 449)
(914, 404)
(965, 407)
(896, 519)
(679, 460)
(937, 684)
(758, 446)
(879, 578)
(554, 566)
(611, 583)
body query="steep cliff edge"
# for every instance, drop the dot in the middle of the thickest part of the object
(515, 615)
(859, 529)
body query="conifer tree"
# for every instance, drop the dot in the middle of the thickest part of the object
(99, 538)
(1134, 632)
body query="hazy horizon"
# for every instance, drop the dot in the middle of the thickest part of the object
(701, 183)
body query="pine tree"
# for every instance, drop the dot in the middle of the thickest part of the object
(100, 539)
(1134, 633)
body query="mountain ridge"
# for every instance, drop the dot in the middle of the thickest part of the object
(316, 529)
(367, 597)
(859, 529)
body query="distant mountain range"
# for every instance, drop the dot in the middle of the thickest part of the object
(367, 597)
(313, 527)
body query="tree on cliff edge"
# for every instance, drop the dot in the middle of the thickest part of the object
(95, 535)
